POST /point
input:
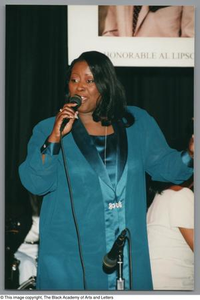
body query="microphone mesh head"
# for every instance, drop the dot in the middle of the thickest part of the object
(76, 99)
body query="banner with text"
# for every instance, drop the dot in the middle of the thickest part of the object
(92, 27)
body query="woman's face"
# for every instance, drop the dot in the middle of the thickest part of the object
(82, 83)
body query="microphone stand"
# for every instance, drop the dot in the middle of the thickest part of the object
(113, 260)
(120, 280)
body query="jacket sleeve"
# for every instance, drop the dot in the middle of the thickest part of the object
(187, 22)
(109, 22)
(162, 162)
(37, 176)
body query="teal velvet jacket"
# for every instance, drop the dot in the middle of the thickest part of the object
(102, 211)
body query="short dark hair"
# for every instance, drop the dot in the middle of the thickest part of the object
(112, 105)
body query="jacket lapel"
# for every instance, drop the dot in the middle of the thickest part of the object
(88, 149)
(142, 15)
(120, 131)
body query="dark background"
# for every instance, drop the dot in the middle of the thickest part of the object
(36, 64)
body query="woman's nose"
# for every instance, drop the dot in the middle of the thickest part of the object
(81, 86)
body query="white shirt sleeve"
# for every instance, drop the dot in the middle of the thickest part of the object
(181, 209)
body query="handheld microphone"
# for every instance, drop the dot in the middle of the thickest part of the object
(110, 259)
(74, 99)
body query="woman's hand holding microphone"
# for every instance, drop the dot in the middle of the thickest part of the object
(65, 119)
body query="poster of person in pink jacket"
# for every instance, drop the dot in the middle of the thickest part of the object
(146, 21)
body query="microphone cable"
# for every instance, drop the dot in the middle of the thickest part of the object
(129, 258)
(73, 210)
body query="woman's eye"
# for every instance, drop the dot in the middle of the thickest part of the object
(74, 80)
(90, 81)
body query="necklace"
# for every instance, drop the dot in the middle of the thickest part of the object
(105, 144)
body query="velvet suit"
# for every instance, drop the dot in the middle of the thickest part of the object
(102, 211)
